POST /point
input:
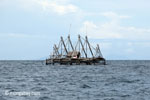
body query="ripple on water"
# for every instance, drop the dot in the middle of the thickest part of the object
(119, 80)
(2, 98)
(40, 89)
(44, 98)
(85, 86)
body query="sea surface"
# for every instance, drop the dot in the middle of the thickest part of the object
(118, 80)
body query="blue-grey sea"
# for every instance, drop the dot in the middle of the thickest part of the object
(33, 80)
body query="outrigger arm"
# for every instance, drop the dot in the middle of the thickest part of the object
(64, 44)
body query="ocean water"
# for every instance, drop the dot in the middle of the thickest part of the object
(118, 80)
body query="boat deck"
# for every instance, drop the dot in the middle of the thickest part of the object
(77, 61)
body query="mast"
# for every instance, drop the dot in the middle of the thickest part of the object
(56, 49)
(70, 42)
(89, 46)
(64, 44)
(98, 49)
(82, 46)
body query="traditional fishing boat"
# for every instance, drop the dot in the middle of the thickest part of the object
(82, 53)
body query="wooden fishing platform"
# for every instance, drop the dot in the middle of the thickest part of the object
(82, 53)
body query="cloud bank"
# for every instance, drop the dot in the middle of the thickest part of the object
(114, 30)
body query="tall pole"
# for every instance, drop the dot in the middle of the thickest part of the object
(64, 44)
(99, 51)
(89, 46)
(69, 29)
(70, 42)
(53, 52)
(56, 49)
(61, 48)
(82, 46)
(86, 36)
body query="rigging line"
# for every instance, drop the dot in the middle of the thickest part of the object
(87, 36)
(69, 29)
(89, 43)
(59, 44)
(92, 47)
(76, 45)
(86, 30)
(82, 38)
(65, 40)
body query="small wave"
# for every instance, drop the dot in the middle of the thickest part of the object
(39, 89)
(85, 77)
(114, 80)
(85, 86)
(128, 81)
(63, 81)
(44, 98)
(125, 96)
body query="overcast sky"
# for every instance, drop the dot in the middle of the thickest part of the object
(29, 28)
